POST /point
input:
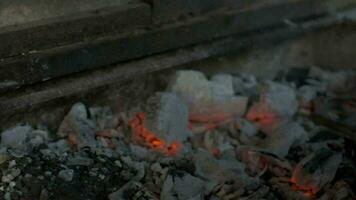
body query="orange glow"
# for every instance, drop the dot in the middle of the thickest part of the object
(211, 126)
(72, 140)
(308, 190)
(216, 152)
(104, 133)
(144, 136)
(210, 118)
(262, 118)
(203, 127)
(201, 123)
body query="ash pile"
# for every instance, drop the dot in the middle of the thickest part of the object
(224, 137)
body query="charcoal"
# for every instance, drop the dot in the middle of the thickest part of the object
(193, 142)
(138, 166)
(38, 137)
(121, 147)
(286, 192)
(21, 139)
(335, 126)
(193, 87)
(16, 139)
(226, 191)
(246, 85)
(258, 162)
(323, 135)
(120, 194)
(287, 135)
(104, 117)
(181, 185)
(139, 152)
(216, 170)
(340, 190)
(156, 167)
(133, 183)
(207, 166)
(56, 149)
(298, 76)
(44, 195)
(7, 196)
(216, 141)
(66, 175)
(222, 86)
(280, 98)
(110, 133)
(247, 128)
(350, 121)
(259, 194)
(79, 160)
(132, 190)
(106, 152)
(316, 170)
(78, 111)
(4, 156)
(77, 124)
(167, 117)
(238, 85)
(335, 81)
(208, 98)
(276, 101)
(306, 94)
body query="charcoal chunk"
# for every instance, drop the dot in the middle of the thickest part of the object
(167, 117)
(77, 123)
(182, 186)
(208, 99)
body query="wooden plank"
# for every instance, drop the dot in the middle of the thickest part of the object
(44, 65)
(29, 99)
(165, 11)
(82, 27)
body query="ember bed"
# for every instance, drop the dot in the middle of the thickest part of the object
(264, 114)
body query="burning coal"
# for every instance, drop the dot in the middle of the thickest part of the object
(196, 140)
(144, 136)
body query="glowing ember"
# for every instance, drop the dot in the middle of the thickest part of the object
(263, 118)
(105, 133)
(216, 151)
(202, 127)
(203, 122)
(72, 140)
(210, 118)
(144, 136)
(308, 190)
(315, 171)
